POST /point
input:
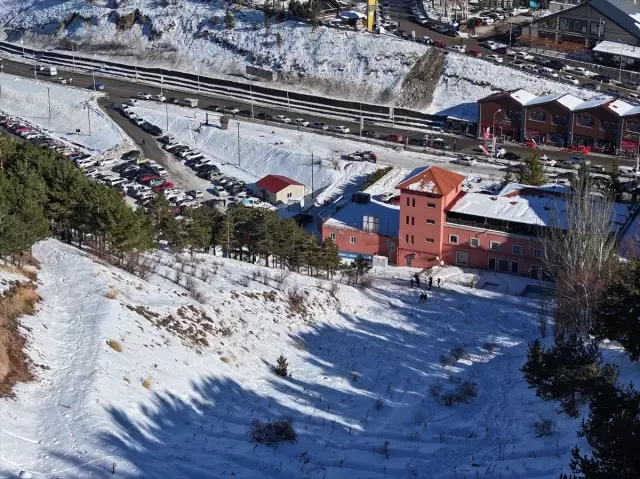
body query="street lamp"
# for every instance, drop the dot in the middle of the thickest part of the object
(198, 75)
(493, 132)
(620, 71)
(93, 72)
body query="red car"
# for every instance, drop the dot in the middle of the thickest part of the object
(530, 143)
(147, 178)
(164, 186)
(439, 44)
(394, 138)
(474, 53)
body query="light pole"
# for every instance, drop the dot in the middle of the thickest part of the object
(198, 75)
(493, 132)
(238, 143)
(620, 71)
(2, 74)
(49, 101)
(22, 43)
(312, 175)
(251, 94)
(161, 82)
(166, 109)
(89, 118)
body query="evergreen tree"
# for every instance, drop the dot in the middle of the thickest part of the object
(229, 20)
(508, 178)
(330, 259)
(617, 316)
(282, 366)
(359, 267)
(532, 172)
(533, 369)
(613, 432)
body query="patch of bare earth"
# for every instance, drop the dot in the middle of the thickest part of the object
(15, 366)
(418, 85)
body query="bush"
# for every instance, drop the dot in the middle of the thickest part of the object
(435, 390)
(273, 433)
(445, 360)
(454, 379)
(366, 282)
(458, 352)
(115, 345)
(375, 176)
(467, 390)
(147, 383)
(543, 427)
(280, 277)
(112, 293)
(449, 398)
(282, 367)
(489, 347)
(295, 299)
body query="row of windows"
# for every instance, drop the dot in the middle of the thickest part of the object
(502, 265)
(412, 202)
(583, 121)
(411, 220)
(493, 246)
(352, 240)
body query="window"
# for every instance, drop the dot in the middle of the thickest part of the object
(289, 195)
(596, 29)
(517, 249)
(431, 205)
(492, 264)
(411, 239)
(428, 240)
(371, 224)
(585, 121)
(550, 23)
(513, 114)
(413, 221)
(474, 242)
(431, 222)
(503, 265)
(408, 201)
(332, 236)
(610, 126)
(633, 126)
(462, 258)
(559, 120)
(494, 246)
(406, 238)
(406, 220)
(515, 267)
(453, 239)
(537, 116)
(571, 25)
(413, 202)
(537, 253)
(352, 239)
(391, 246)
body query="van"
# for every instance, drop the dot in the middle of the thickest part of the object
(114, 181)
(190, 102)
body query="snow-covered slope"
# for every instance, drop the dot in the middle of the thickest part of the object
(182, 34)
(179, 398)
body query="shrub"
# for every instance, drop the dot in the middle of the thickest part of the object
(296, 299)
(543, 427)
(112, 293)
(458, 352)
(333, 289)
(466, 391)
(147, 383)
(489, 347)
(445, 360)
(435, 390)
(449, 398)
(280, 277)
(384, 450)
(115, 345)
(282, 367)
(272, 433)
(366, 282)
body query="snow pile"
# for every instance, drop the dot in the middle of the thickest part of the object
(182, 34)
(27, 99)
(468, 79)
(155, 384)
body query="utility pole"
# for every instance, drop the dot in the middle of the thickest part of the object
(49, 101)
(312, 175)
(251, 93)
(238, 143)
(161, 82)
(2, 74)
(35, 70)
(166, 109)
(89, 118)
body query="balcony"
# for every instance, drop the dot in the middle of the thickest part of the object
(492, 224)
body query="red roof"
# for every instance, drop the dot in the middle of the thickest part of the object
(275, 183)
(432, 180)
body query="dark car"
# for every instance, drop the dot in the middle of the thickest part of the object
(556, 64)
(590, 86)
(540, 61)
(439, 44)
(264, 116)
(212, 108)
(613, 92)
(602, 78)
(394, 138)
(151, 129)
(245, 113)
(131, 155)
(451, 33)
(511, 156)
(418, 140)
(369, 134)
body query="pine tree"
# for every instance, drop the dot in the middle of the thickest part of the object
(532, 172)
(282, 366)
(359, 268)
(617, 316)
(229, 20)
(533, 368)
(331, 261)
(613, 432)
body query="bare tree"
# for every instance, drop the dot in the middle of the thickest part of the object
(579, 252)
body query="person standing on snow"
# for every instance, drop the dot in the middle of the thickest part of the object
(430, 281)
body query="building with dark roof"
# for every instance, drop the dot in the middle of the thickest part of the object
(590, 22)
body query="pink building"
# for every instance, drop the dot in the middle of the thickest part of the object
(437, 222)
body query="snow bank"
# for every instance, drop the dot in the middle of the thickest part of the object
(27, 99)
(465, 80)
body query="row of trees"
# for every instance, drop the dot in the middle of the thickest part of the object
(43, 194)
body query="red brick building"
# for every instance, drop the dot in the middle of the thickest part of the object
(436, 221)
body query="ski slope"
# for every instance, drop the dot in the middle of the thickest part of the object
(361, 365)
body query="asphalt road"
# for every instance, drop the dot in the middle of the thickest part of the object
(120, 90)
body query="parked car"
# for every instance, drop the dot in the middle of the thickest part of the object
(584, 72)
(96, 86)
(523, 56)
(341, 129)
(144, 96)
(264, 116)
(195, 194)
(546, 161)
(282, 119)
(556, 64)
(319, 125)
(394, 138)
(363, 156)
(425, 40)
(590, 86)
(369, 134)
(439, 144)
(301, 122)
(511, 156)
(473, 53)
(230, 110)
(494, 58)
(161, 98)
(602, 78)
(439, 44)
(467, 161)
(570, 79)
(458, 48)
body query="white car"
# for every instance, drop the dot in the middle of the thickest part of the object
(546, 161)
(195, 194)
(466, 161)
(523, 56)
(491, 45)
(518, 64)
(341, 129)
(107, 162)
(132, 102)
(200, 163)
(282, 119)
(570, 79)
(494, 58)
(138, 121)
(144, 96)
(459, 48)
(530, 67)
(301, 122)
(160, 98)
(584, 72)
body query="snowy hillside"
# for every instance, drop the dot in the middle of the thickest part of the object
(466, 79)
(180, 34)
(142, 378)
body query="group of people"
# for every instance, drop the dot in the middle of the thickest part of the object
(415, 280)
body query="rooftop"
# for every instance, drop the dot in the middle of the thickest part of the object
(616, 48)
(275, 183)
(351, 216)
(431, 179)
